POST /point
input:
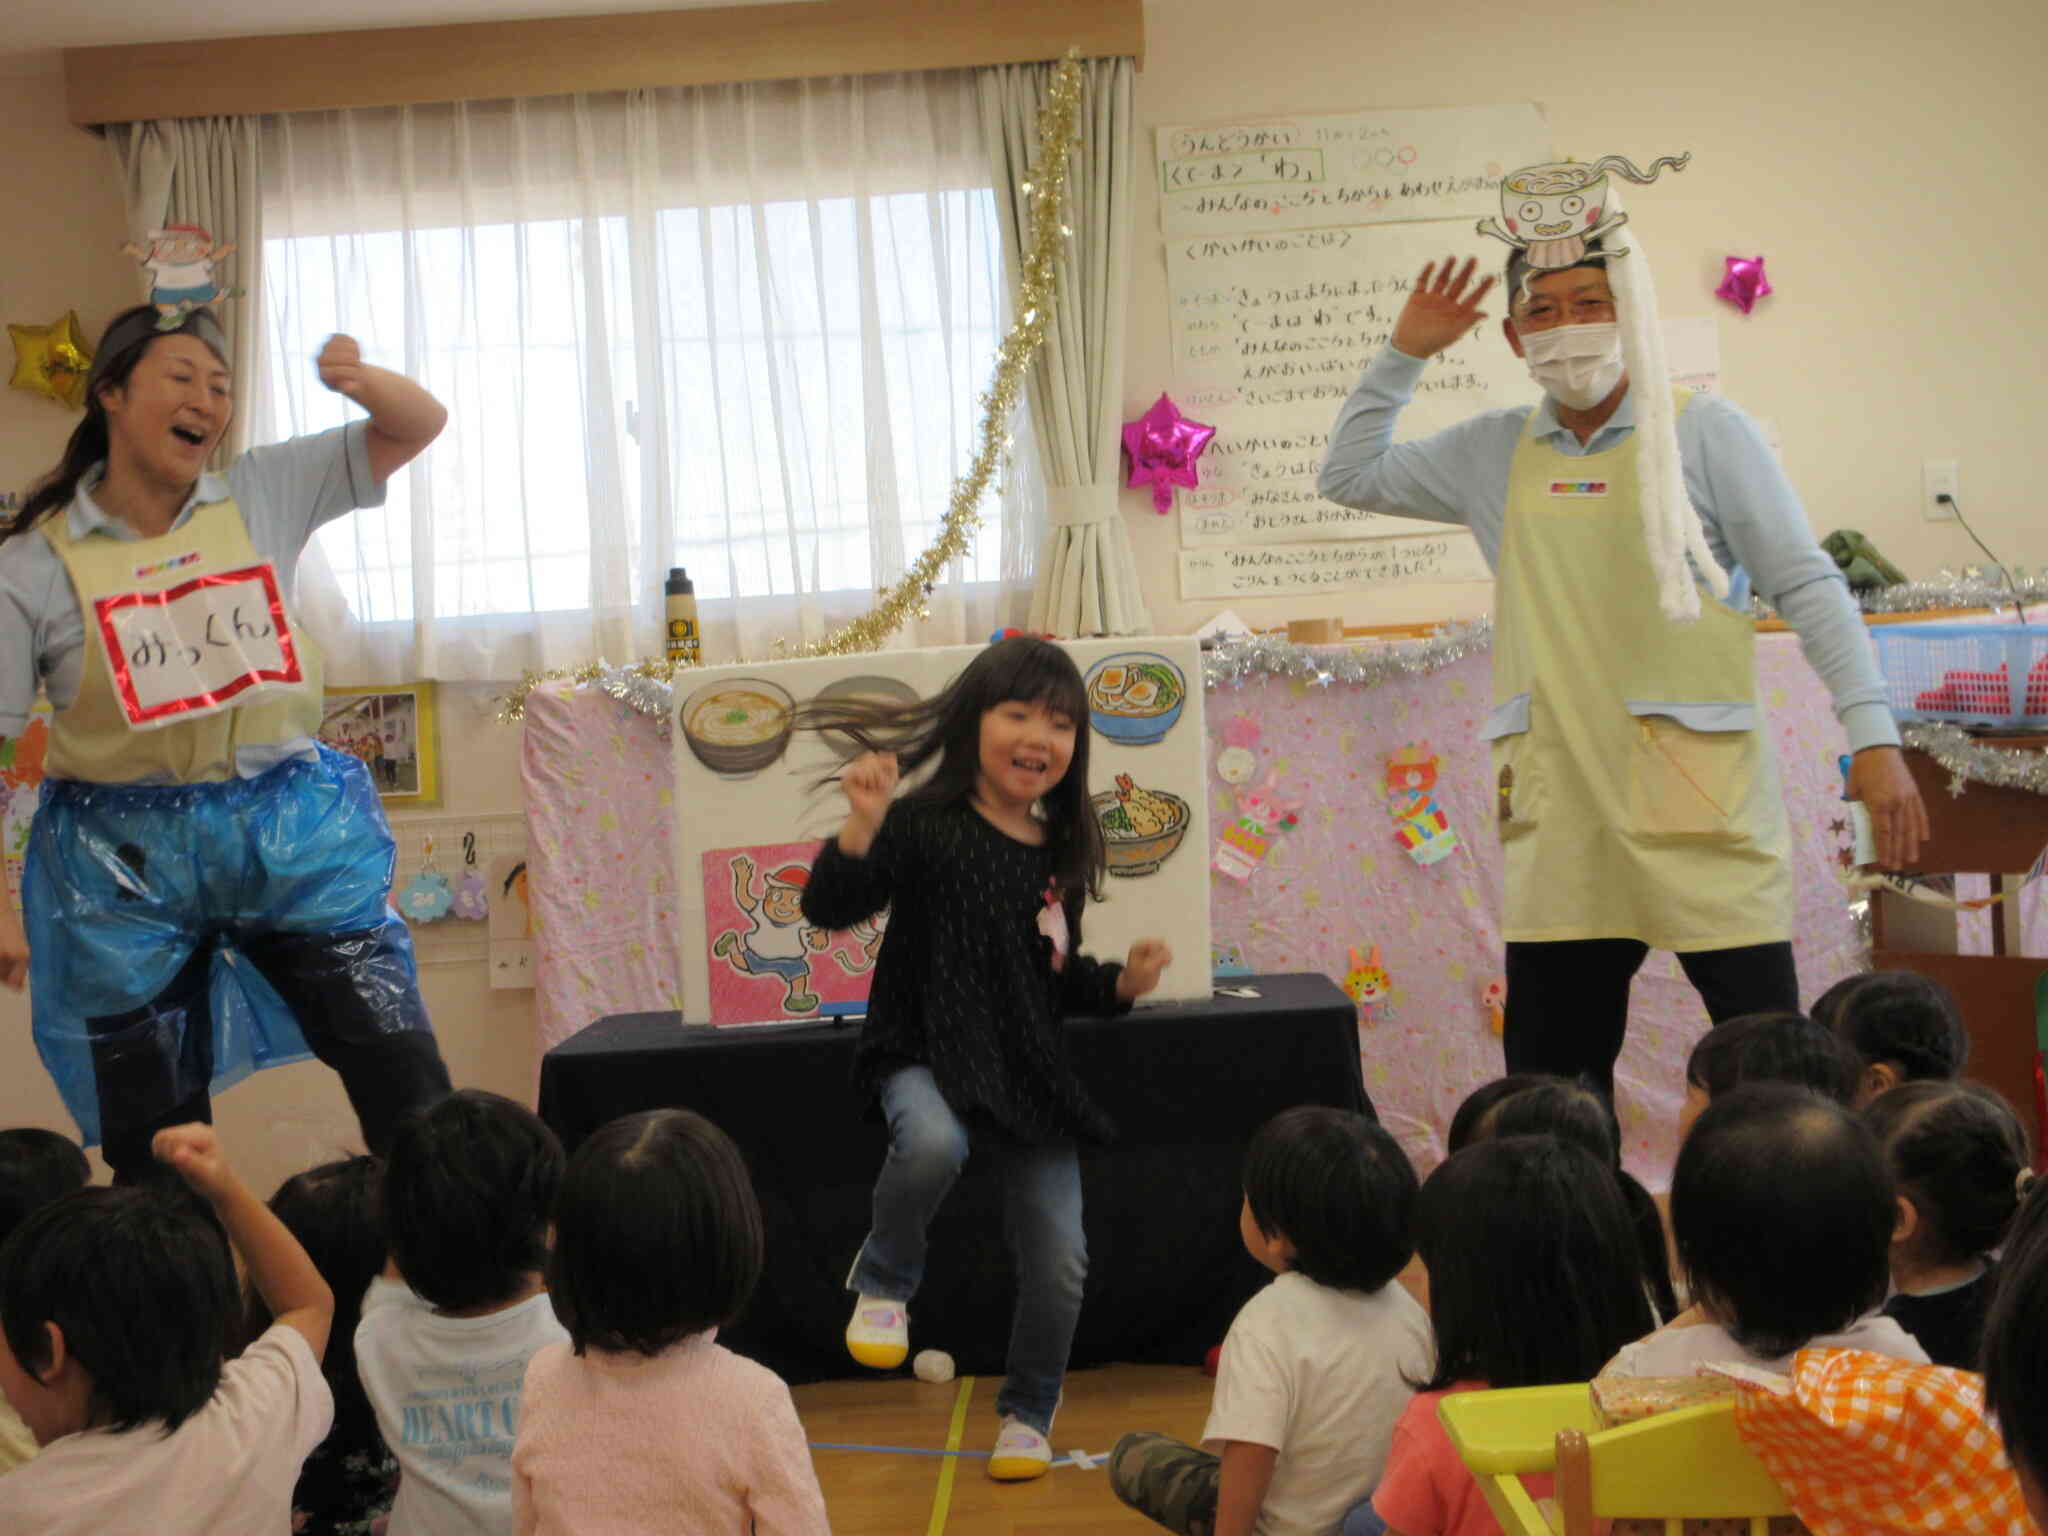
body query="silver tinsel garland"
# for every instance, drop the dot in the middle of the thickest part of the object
(1969, 760)
(1973, 589)
(1323, 666)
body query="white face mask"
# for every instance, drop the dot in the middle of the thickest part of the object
(1577, 365)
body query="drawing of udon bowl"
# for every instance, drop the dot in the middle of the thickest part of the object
(1135, 697)
(740, 725)
(1132, 855)
(847, 690)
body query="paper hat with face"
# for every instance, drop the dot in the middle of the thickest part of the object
(1552, 213)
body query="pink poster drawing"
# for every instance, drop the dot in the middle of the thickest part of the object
(766, 962)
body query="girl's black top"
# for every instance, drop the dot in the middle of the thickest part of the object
(964, 982)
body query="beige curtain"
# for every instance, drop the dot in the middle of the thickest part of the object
(1087, 580)
(203, 171)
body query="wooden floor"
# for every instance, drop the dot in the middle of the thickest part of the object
(877, 1493)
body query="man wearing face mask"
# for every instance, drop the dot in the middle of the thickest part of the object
(1636, 791)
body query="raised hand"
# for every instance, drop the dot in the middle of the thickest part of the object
(194, 1152)
(341, 365)
(870, 784)
(1148, 957)
(1440, 309)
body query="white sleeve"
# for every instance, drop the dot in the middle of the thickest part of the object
(1254, 1392)
(285, 1388)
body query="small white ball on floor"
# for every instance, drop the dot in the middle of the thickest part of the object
(932, 1365)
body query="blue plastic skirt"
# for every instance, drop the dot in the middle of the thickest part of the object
(124, 882)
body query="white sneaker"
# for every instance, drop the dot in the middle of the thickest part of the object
(878, 1334)
(1021, 1452)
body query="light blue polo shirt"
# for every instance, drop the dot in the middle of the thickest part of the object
(284, 491)
(1753, 521)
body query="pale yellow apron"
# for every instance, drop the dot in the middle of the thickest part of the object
(1635, 787)
(127, 724)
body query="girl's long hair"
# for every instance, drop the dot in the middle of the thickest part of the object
(89, 440)
(945, 731)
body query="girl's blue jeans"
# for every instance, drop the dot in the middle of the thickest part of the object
(1041, 1223)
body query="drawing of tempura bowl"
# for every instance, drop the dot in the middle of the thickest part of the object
(861, 690)
(1132, 855)
(1135, 697)
(737, 726)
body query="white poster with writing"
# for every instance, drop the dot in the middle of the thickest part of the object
(1357, 565)
(1355, 168)
(1270, 334)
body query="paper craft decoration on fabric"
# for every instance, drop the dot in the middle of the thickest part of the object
(1235, 763)
(52, 360)
(1744, 283)
(1142, 827)
(767, 962)
(179, 259)
(1495, 1001)
(1262, 814)
(1163, 445)
(1368, 985)
(1420, 826)
(1554, 212)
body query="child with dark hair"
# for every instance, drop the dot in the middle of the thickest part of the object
(1582, 1115)
(1958, 1161)
(1475, 1111)
(987, 867)
(1316, 1367)
(1765, 1048)
(349, 1480)
(1902, 1027)
(1782, 1210)
(2015, 1352)
(116, 1307)
(36, 1167)
(447, 1332)
(641, 1421)
(1534, 1280)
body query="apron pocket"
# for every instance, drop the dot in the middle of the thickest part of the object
(1517, 787)
(1690, 770)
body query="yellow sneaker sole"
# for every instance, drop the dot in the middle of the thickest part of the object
(879, 1357)
(1016, 1469)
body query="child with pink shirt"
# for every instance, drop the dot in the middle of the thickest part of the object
(643, 1422)
(1535, 1278)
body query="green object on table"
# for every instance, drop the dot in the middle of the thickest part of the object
(1861, 564)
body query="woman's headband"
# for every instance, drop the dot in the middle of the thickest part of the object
(142, 326)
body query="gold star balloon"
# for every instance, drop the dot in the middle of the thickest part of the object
(52, 359)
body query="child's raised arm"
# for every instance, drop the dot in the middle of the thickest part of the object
(855, 874)
(284, 1277)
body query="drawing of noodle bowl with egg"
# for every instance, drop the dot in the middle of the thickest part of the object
(1134, 698)
(1141, 827)
(1553, 211)
(737, 726)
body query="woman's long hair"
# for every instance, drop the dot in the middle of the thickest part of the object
(945, 730)
(122, 345)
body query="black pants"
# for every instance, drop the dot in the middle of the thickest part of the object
(354, 1000)
(1567, 1009)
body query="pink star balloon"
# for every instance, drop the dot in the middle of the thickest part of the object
(1163, 445)
(1745, 282)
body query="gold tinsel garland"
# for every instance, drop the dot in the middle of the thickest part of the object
(1045, 184)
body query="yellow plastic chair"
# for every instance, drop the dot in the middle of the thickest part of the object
(1688, 1464)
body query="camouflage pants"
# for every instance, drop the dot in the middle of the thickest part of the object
(1166, 1480)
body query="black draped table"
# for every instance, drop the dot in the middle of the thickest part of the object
(1187, 1083)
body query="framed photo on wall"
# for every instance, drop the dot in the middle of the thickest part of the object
(393, 732)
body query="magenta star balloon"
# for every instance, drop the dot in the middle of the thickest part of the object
(1163, 445)
(1745, 282)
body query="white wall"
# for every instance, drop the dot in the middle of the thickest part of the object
(1885, 156)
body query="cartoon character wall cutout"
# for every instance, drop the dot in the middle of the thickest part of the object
(179, 259)
(1368, 985)
(1552, 211)
(1262, 815)
(777, 941)
(1420, 826)
(766, 962)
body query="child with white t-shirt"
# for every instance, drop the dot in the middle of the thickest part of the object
(1315, 1370)
(115, 1311)
(447, 1334)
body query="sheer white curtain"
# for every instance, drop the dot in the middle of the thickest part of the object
(741, 329)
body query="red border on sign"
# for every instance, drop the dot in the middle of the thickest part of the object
(124, 682)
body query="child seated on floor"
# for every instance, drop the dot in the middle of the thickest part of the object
(350, 1478)
(1316, 1366)
(1765, 1048)
(116, 1307)
(1901, 1027)
(1958, 1161)
(1535, 1279)
(36, 1167)
(642, 1421)
(2015, 1350)
(447, 1332)
(1782, 1210)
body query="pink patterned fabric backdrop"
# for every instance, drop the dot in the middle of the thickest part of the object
(599, 808)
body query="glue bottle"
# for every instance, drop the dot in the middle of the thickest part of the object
(684, 648)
